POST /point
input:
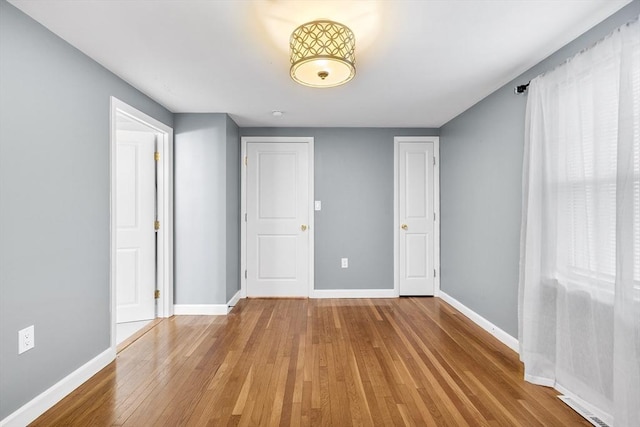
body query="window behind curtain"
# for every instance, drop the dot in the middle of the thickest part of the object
(586, 181)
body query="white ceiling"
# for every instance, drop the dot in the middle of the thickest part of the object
(419, 63)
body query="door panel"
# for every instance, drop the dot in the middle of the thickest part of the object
(417, 252)
(277, 182)
(277, 257)
(416, 216)
(277, 210)
(135, 236)
(128, 276)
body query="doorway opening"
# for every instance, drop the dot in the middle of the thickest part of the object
(141, 251)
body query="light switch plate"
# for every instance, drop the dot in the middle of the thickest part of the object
(344, 262)
(317, 205)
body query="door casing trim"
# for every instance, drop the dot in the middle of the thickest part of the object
(396, 208)
(243, 205)
(165, 209)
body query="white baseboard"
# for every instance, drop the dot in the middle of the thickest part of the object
(41, 403)
(501, 335)
(233, 301)
(353, 293)
(200, 309)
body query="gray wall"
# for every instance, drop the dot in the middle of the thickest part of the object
(54, 205)
(480, 180)
(354, 181)
(206, 208)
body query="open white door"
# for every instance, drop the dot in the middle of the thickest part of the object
(135, 216)
(416, 217)
(277, 222)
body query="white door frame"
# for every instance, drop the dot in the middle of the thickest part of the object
(396, 209)
(243, 205)
(165, 209)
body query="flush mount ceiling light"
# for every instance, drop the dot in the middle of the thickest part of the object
(322, 54)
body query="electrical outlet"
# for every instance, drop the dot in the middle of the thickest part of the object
(26, 339)
(345, 262)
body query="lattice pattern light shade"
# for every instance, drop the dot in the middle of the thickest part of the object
(322, 54)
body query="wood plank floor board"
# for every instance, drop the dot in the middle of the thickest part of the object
(297, 362)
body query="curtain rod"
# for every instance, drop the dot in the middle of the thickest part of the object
(521, 88)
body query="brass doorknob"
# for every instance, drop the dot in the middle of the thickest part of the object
(303, 227)
(404, 226)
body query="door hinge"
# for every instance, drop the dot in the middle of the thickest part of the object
(156, 225)
(434, 160)
(245, 217)
(156, 294)
(434, 216)
(245, 274)
(434, 272)
(156, 156)
(246, 160)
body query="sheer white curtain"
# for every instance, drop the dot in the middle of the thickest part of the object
(579, 307)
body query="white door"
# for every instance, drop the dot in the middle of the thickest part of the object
(135, 217)
(416, 218)
(277, 192)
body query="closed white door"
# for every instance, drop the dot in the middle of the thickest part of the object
(416, 218)
(277, 204)
(135, 218)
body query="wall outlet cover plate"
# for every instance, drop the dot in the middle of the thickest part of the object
(26, 339)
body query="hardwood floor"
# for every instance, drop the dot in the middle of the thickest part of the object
(407, 361)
